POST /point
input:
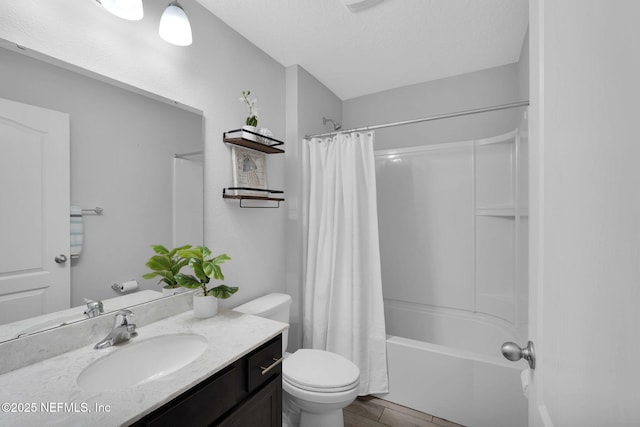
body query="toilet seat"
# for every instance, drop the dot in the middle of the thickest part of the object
(320, 371)
(339, 398)
(321, 389)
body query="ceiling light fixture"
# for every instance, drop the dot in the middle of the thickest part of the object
(174, 25)
(125, 9)
(358, 5)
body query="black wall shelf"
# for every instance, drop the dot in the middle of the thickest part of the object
(266, 196)
(270, 145)
(253, 197)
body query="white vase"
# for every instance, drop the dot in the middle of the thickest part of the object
(204, 306)
(264, 132)
(250, 136)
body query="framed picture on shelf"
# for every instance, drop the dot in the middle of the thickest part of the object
(249, 170)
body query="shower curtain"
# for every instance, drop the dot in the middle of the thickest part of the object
(343, 307)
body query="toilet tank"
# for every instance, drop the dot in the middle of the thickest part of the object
(271, 306)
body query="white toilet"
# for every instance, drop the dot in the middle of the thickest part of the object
(317, 383)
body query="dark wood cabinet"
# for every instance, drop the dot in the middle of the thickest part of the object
(248, 392)
(262, 409)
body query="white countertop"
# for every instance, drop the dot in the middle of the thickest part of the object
(49, 388)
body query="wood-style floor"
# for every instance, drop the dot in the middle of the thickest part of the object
(373, 412)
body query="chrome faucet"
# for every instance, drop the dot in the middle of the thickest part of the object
(123, 330)
(94, 308)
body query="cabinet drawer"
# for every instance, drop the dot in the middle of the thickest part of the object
(264, 363)
(205, 402)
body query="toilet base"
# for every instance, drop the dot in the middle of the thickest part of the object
(314, 414)
(290, 413)
(328, 419)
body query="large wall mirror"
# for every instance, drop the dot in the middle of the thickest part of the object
(135, 155)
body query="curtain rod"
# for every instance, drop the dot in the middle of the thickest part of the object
(426, 119)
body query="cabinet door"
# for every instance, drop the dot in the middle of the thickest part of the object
(263, 409)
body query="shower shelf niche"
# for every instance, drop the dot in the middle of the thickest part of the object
(270, 146)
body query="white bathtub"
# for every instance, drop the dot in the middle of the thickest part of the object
(454, 369)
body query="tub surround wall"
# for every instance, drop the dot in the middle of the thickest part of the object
(208, 75)
(453, 229)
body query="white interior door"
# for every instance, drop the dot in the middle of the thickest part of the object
(585, 213)
(34, 211)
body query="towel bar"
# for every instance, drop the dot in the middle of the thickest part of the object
(97, 210)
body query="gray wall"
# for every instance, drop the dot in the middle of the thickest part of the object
(308, 100)
(468, 91)
(122, 147)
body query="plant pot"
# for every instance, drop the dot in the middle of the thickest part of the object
(250, 136)
(172, 291)
(204, 306)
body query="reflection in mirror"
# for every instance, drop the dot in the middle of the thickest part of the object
(135, 155)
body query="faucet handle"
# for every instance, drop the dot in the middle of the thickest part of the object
(123, 318)
(94, 308)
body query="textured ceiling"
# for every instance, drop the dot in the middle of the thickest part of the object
(393, 44)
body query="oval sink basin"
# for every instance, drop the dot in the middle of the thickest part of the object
(142, 361)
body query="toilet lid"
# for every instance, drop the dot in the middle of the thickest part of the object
(319, 370)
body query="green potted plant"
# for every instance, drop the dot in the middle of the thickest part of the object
(251, 124)
(205, 267)
(167, 264)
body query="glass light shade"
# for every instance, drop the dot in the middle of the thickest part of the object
(174, 26)
(125, 9)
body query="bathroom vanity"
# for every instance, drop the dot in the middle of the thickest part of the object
(234, 380)
(248, 392)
